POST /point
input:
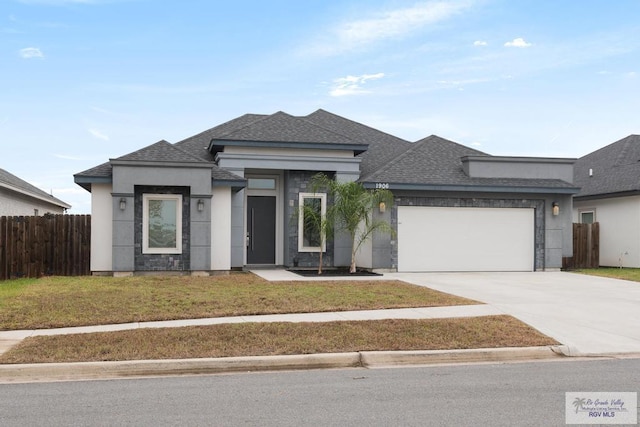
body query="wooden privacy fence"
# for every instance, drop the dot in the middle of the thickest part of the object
(33, 246)
(586, 247)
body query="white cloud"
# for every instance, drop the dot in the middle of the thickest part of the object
(96, 133)
(390, 24)
(480, 43)
(352, 85)
(519, 42)
(31, 52)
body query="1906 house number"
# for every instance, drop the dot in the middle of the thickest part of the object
(382, 185)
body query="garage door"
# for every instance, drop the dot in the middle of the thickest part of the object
(465, 239)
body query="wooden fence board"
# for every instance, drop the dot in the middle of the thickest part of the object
(45, 245)
(586, 247)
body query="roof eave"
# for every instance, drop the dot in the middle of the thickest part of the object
(607, 195)
(85, 181)
(160, 163)
(475, 188)
(216, 145)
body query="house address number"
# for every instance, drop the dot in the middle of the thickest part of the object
(382, 185)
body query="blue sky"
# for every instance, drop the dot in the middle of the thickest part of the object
(83, 81)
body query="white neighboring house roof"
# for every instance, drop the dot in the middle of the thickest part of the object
(13, 183)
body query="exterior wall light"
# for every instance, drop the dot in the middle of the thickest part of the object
(200, 205)
(555, 208)
(382, 206)
(123, 204)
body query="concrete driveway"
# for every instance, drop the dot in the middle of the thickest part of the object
(590, 315)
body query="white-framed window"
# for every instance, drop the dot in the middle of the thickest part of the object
(161, 224)
(587, 217)
(313, 208)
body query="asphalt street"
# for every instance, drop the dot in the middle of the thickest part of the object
(513, 394)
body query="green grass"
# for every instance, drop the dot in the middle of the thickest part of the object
(52, 302)
(632, 274)
(258, 339)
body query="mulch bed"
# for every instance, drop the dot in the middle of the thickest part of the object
(333, 272)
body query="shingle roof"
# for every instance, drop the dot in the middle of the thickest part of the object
(616, 169)
(161, 151)
(198, 145)
(13, 182)
(437, 161)
(282, 127)
(382, 146)
(432, 161)
(103, 170)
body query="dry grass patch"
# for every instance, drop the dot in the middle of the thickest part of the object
(53, 302)
(259, 339)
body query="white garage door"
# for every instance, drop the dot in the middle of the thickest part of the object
(465, 239)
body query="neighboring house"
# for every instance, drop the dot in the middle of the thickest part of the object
(609, 181)
(19, 198)
(227, 197)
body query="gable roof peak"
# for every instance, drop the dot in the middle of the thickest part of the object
(281, 127)
(435, 139)
(161, 151)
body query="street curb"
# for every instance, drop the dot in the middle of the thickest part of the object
(142, 368)
(367, 359)
(371, 359)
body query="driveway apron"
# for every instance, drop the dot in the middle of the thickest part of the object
(590, 315)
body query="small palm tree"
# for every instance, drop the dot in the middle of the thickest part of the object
(351, 210)
(318, 226)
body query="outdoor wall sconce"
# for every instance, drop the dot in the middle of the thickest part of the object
(382, 206)
(123, 204)
(200, 205)
(555, 208)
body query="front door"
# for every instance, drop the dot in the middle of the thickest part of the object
(261, 230)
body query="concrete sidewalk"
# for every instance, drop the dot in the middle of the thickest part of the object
(11, 338)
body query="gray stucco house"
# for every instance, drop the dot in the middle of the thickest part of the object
(226, 199)
(610, 195)
(19, 198)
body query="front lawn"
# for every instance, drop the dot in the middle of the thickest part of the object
(258, 339)
(53, 302)
(632, 274)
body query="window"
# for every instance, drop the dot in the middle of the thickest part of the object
(313, 208)
(261, 183)
(162, 224)
(587, 217)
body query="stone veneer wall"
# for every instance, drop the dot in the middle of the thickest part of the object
(162, 262)
(536, 204)
(297, 182)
